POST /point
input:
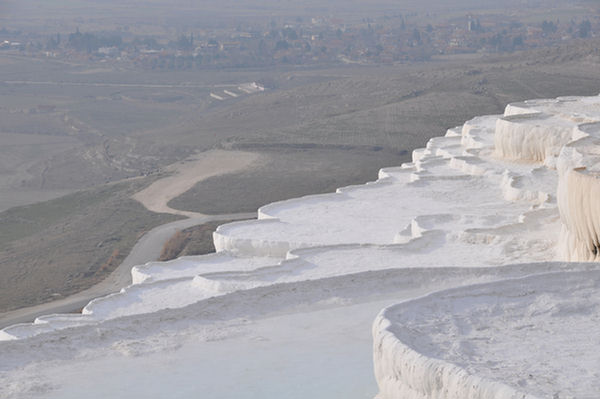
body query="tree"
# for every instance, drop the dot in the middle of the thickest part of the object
(517, 41)
(83, 41)
(585, 28)
(185, 43)
(282, 45)
(289, 33)
(548, 27)
(90, 43)
(53, 42)
(416, 35)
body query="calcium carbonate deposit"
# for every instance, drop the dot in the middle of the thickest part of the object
(476, 241)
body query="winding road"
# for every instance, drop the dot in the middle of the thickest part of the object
(149, 246)
(147, 249)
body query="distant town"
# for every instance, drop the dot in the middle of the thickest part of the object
(318, 40)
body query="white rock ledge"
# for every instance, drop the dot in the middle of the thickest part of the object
(530, 337)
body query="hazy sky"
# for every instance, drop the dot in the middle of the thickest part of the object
(63, 15)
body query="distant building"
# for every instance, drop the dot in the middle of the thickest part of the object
(109, 51)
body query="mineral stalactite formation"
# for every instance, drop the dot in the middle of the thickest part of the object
(564, 134)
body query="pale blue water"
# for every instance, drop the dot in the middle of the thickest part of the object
(325, 354)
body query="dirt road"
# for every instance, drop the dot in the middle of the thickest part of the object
(154, 198)
(187, 173)
(147, 249)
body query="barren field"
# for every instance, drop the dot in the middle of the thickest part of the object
(187, 173)
(55, 248)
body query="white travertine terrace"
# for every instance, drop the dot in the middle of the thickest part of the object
(579, 196)
(533, 337)
(492, 202)
(490, 341)
(565, 135)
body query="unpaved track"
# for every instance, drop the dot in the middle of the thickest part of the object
(147, 249)
(189, 172)
(155, 198)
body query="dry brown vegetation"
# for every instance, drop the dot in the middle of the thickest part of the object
(115, 259)
(195, 240)
(174, 246)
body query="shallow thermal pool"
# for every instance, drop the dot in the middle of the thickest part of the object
(318, 354)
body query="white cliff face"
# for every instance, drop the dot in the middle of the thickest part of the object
(564, 134)
(579, 200)
(578, 194)
(493, 201)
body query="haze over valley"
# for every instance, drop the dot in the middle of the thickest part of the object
(130, 130)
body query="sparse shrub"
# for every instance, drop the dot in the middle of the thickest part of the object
(113, 261)
(174, 246)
